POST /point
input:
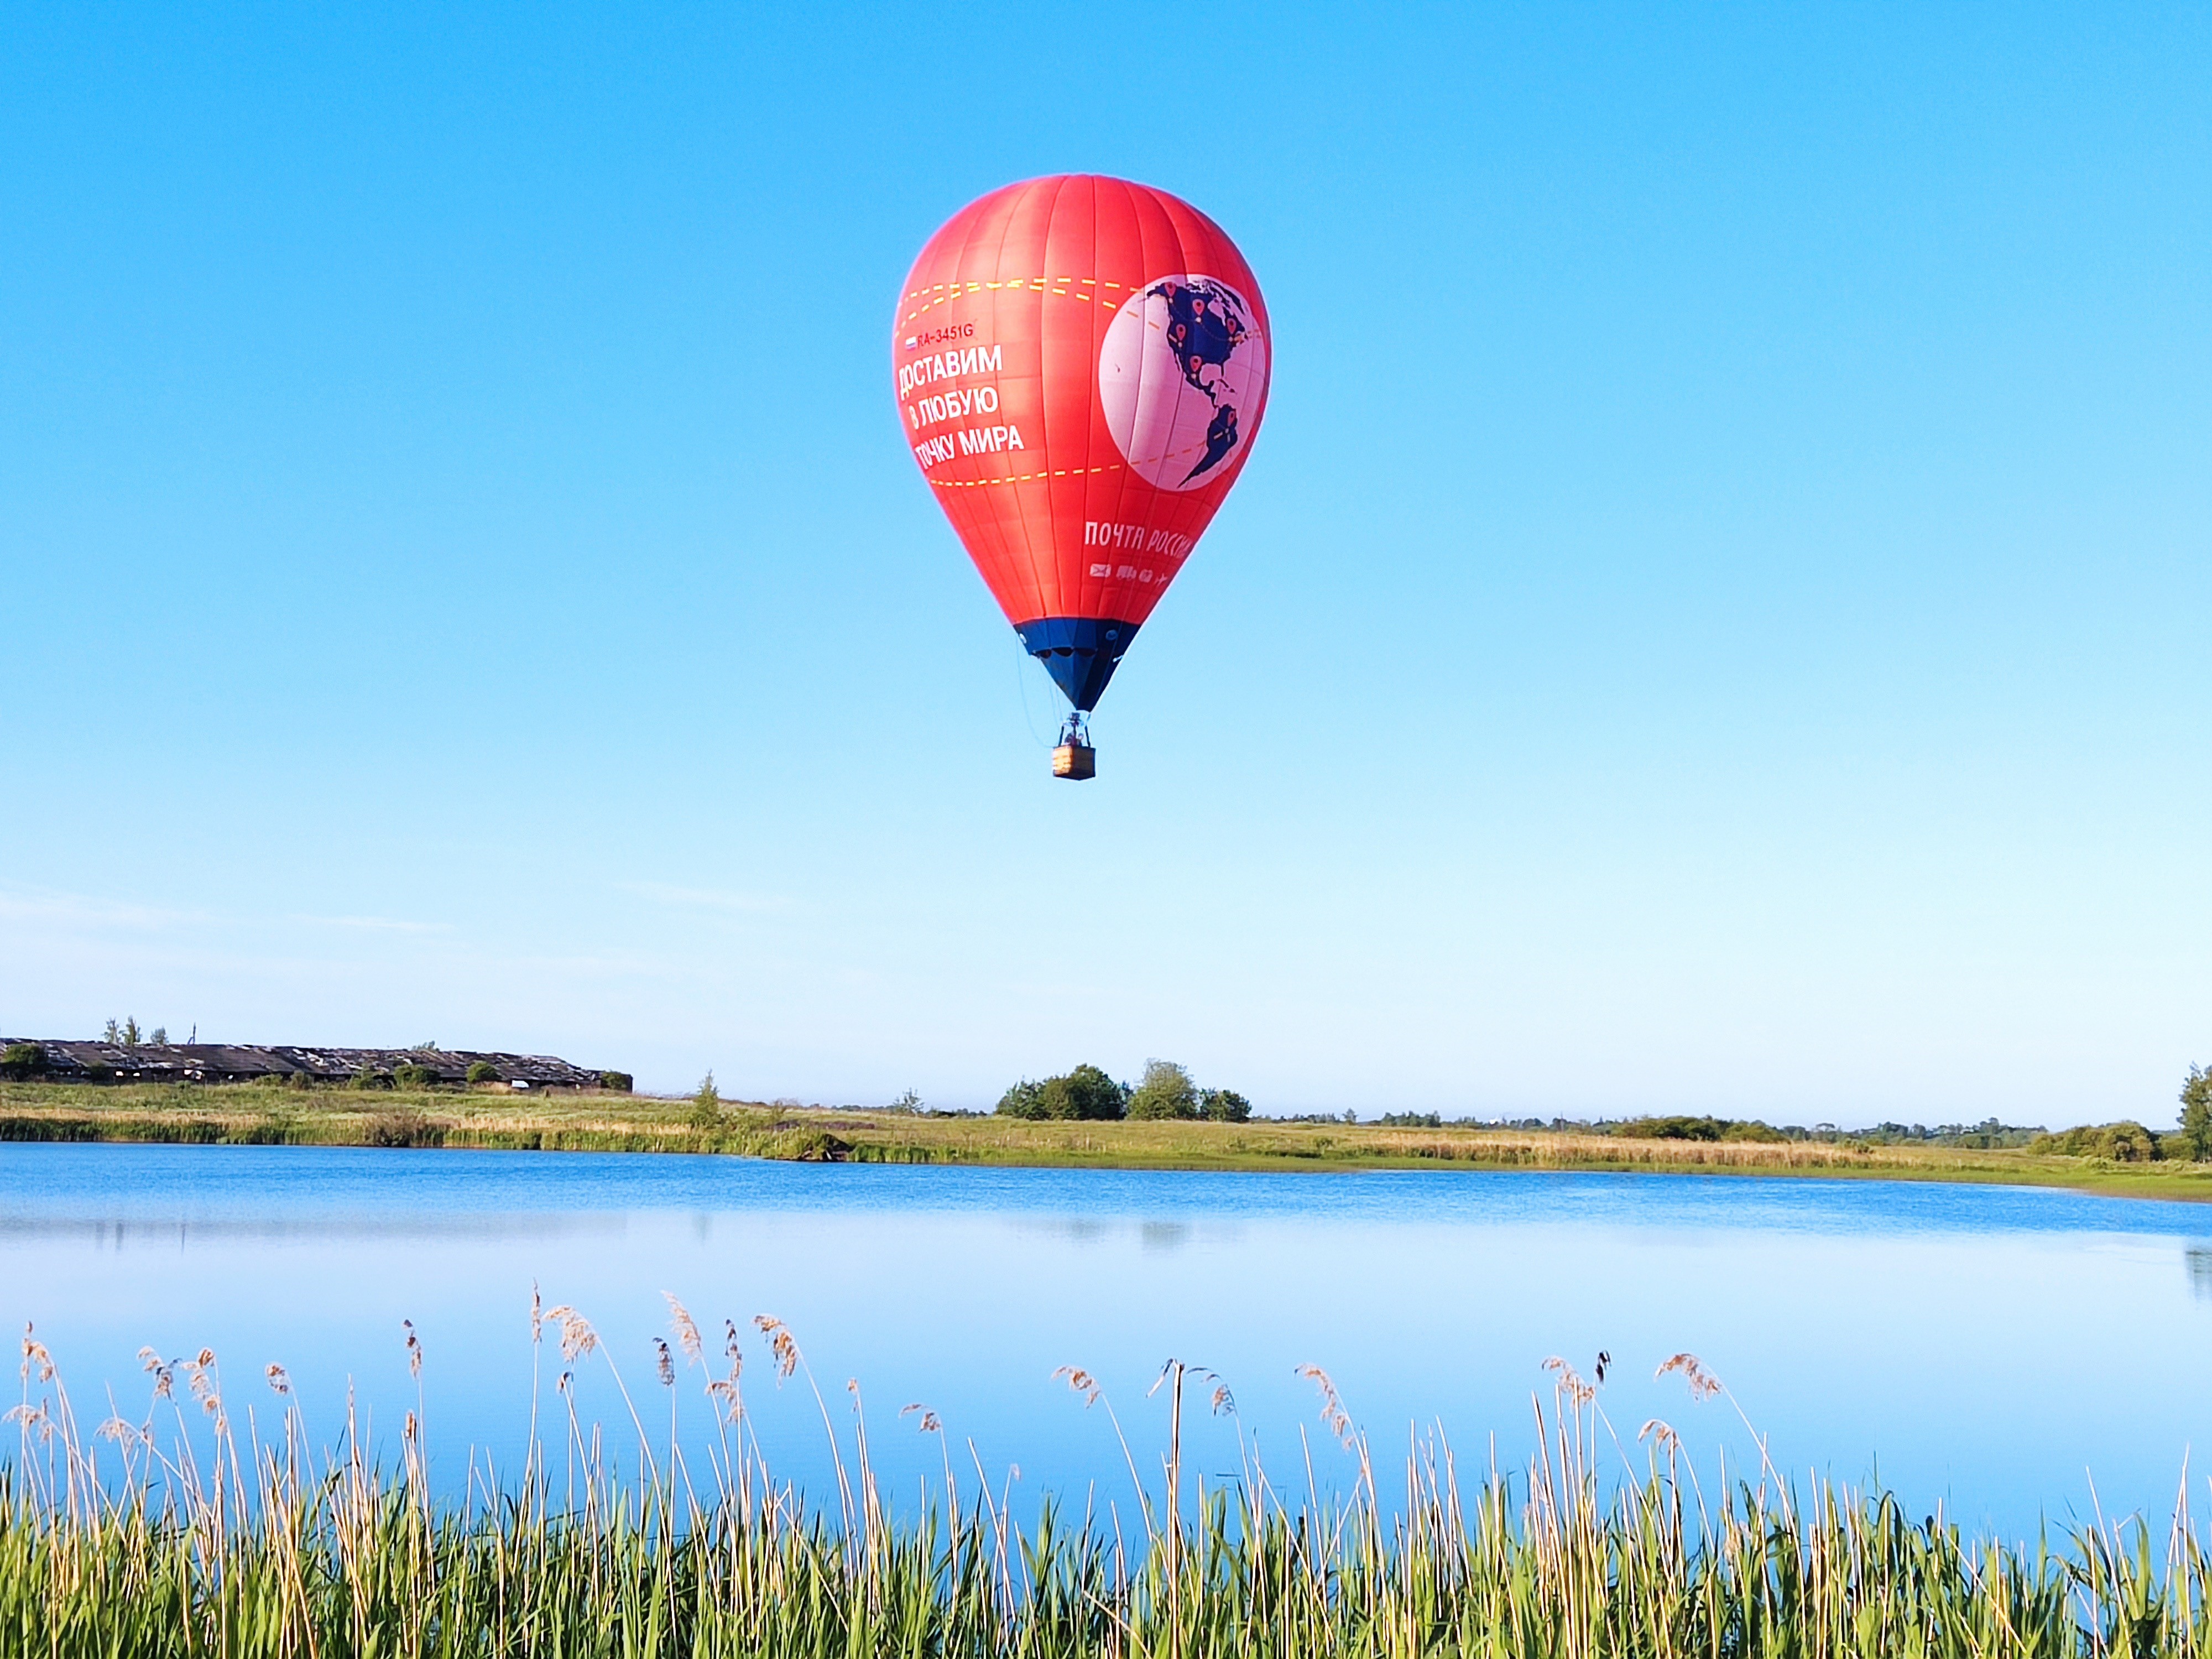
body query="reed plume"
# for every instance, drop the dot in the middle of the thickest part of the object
(207, 1540)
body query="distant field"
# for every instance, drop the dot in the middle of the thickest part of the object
(254, 1115)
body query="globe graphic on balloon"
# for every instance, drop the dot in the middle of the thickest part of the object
(1180, 376)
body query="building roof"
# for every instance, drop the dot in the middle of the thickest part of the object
(224, 1062)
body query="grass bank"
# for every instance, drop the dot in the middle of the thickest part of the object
(253, 1115)
(147, 1540)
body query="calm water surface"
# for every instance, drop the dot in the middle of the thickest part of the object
(1988, 1348)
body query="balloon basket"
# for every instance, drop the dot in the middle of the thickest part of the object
(1075, 757)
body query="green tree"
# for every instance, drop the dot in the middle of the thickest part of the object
(1223, 1106)
(1166, 1092)
(482, 1070)
(1085, 1094)
(2127, 1142)
(2197, 1113)
(706, 1105)
(1024, 1099)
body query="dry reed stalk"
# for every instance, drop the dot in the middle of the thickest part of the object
(176, 1554)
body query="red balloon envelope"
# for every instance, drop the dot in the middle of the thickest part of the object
(1081, 365)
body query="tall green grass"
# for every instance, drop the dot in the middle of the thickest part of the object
(147, 1538)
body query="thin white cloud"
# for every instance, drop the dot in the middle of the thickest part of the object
(35, 904)
(49, 904)
(377, 924)
(707, 898)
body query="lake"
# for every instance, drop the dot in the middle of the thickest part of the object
(1987, 1348)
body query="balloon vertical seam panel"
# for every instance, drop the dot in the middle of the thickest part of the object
(1029, 219)
(1081, 366)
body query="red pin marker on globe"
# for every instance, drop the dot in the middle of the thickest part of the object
(1081, 366)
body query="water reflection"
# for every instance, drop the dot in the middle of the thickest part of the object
(1164, 1235)
(1830, 1310)
(2197, 1259)
(1153, 1234)
(107, 1233)
(1073, 1228)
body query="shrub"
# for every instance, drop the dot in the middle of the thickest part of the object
(620, 1082)
(1752, 1131)
(369, 1078)
(1085, 1094)
(1696, 1128)
(810, 1146)
(18, 1060)
(706, 1111)
(1223, 1106)
(409, 1075)
(482, 1070)
(1672, 1128)
(2128, 1143)
(1166, 1092)
(402, 1129)
(2125, 1142)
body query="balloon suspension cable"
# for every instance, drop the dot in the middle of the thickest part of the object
(1076, 729)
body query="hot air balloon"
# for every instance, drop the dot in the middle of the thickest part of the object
(1081, 367)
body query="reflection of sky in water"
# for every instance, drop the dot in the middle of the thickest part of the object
(1988, 1344)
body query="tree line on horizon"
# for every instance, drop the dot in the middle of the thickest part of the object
(2130, 1142)
(1166, 1092)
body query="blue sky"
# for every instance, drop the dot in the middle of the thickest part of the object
(1719, 617)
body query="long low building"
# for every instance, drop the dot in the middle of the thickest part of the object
(225, 1062)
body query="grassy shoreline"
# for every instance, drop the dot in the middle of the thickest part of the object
(204, 1530)
(249, 1115)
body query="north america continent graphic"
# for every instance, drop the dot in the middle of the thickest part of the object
(1181, 376)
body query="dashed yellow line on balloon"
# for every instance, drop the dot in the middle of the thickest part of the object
(1023, 477)
(976, 286)
(1059, 287)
